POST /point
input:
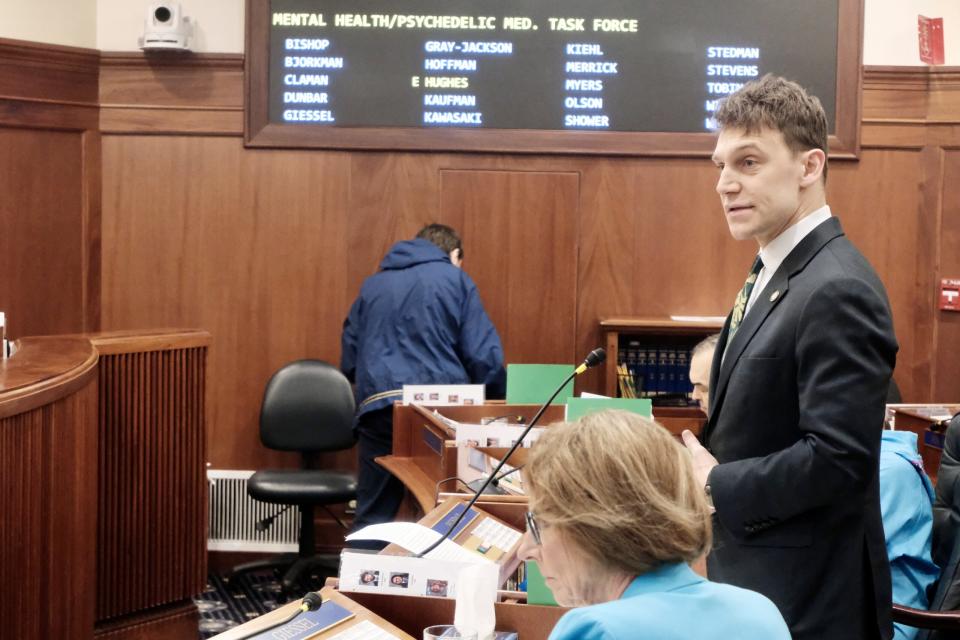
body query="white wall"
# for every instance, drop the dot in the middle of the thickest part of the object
(890, 30)
(66, 22)
(218, 24)
(890, 26)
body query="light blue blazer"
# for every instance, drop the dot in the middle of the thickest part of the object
(673, 602)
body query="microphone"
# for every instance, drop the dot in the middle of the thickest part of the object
(310, 602)
(595, 357)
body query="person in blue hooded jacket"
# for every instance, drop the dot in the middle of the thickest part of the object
(906, 505)
(418, 320)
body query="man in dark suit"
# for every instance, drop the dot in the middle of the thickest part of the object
(798, 382)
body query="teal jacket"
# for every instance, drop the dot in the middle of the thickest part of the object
(674, 603)
(906, 503)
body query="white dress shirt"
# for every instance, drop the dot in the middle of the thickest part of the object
(780, 247)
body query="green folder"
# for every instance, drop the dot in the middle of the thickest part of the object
(579, 407)
(533, 383)
(537, 590)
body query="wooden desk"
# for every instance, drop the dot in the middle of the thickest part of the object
(352, 603)
(102, 461)
(923, 419)
(48, 489)
(413, 613)
(424, 452)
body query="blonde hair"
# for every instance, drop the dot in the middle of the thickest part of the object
(622, 489)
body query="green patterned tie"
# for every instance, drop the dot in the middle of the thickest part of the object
(740, 305)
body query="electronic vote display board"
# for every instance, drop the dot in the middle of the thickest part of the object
(616, 76)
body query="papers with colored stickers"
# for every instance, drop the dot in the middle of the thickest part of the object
(478, 540)
(444, 395)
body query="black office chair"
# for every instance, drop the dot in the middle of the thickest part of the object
(942, 620)
(307, 407)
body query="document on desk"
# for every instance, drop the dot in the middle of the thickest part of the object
(365, 630)
(415, 538)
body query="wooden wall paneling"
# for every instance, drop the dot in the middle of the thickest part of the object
(897, 92)
(944, 95)
(50, 172)
(685, 260)
(46, 73)
(947, 345)
(605, 280)
(91, 207)
(41, 247)
(253, 252)
(392, 196)
(520, 230)
(888, 223)
(191, 94)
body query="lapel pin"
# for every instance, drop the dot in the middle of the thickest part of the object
(774, 295)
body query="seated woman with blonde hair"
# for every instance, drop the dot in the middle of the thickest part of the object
(615, 519)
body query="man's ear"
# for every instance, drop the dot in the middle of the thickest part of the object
(814, 161)
(455, 257)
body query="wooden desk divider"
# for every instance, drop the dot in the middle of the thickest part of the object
(424, 448)
(424, 451)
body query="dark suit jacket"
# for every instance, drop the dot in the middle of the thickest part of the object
(797, 408)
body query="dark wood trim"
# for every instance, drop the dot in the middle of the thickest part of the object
(160, 59)
(48, 74)
(44, 370)
(137, 341)
(42, 53)
(91, 211)
(259, 132)
(846, 141)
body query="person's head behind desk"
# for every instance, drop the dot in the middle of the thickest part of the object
(701, 360)
(614, 496)
(446, 239)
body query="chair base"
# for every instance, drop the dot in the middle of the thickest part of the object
(296, 577)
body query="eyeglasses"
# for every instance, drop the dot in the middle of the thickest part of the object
(533, 527)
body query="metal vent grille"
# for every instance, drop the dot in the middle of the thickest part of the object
(234, 515)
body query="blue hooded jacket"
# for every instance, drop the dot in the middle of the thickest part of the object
(906, 504)
(419, 320)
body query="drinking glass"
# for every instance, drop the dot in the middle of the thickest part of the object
(446, 632)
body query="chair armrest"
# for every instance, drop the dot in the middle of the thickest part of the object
(942, 620)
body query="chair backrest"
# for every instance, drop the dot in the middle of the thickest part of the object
(946, 523)
(307, 406)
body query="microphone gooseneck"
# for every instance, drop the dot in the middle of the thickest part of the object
(594, 358)
(310, 602)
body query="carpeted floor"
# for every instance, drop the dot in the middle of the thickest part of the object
(224, 605)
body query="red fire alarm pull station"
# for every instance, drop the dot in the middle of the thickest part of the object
(950, 294)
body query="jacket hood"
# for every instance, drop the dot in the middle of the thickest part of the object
(408, 253)
(903, 443)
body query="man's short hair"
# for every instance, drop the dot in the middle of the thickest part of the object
(779, 104)
(442, 236)
(710, 342)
